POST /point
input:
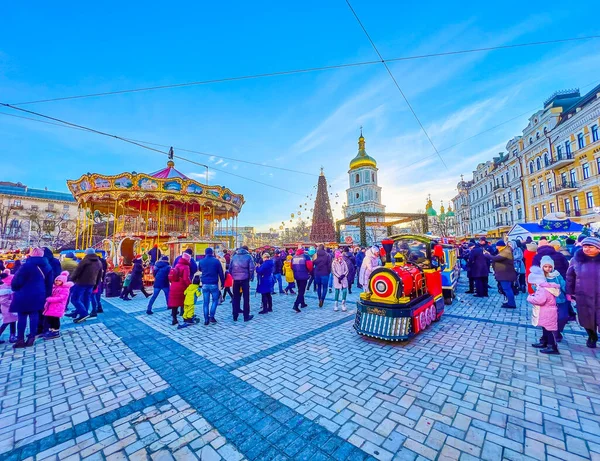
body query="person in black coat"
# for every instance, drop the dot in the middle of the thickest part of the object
(54, 264)
(351, 263)
(137, 279)
(161, 282)
(97, 294)
(479, 270)
(278, 270)
(30, 292)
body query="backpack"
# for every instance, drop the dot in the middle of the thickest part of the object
(174, 274)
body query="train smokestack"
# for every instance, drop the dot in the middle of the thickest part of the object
(387, 246)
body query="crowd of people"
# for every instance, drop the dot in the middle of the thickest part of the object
(552, 274)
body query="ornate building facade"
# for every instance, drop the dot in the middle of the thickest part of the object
(35, 217)
(364, 194)
(554, 165)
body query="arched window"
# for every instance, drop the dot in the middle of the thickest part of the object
(531, 167)
(537, 135)
(546, 160)
(357, 178)
(538, 164)
(530, 140)
(372, 177)
(357, 195)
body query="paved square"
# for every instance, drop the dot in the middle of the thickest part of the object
(300, 386)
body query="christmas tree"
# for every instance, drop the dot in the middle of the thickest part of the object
(322, 229)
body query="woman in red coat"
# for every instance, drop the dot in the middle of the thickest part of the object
(528, 256)
(180, 280)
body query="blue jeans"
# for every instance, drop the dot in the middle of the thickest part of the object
(157, 291)
(279, 280)
(80, 297)
(207, 292)
(321, 282)
(508, 291)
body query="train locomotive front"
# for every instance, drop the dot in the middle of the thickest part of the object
(404, 296)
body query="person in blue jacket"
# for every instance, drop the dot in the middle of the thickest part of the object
(265, 283)
(30, 292)
(212, 277)
(161, 282)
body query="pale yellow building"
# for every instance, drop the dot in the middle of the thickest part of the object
(35, 217)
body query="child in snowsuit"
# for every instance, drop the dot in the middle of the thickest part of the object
(9, 319)
(289, 275)
(227, 286)
(127, 288)
(545, 311)
(553, 276)
(192, 293)
(55, 307)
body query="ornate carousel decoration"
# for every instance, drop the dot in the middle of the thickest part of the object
(137, 211)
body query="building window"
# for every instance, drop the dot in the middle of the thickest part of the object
(51, 206)
(373, 177)
(518, 194)
(534, 190)
(541, 188)
(589, 200)
(65, 207)
(558, 152)
(537, 213)
(538, 164)
(567, 147)
(530, 167)
(537, 135)
(563, 178)
(586, 170)
(530, 140)
(546, 160)
(520, 213)
(573, 175)
(550, 184)
(552, 207)
(16, 202)
(576, 203)
(595, 133)
(543, 210)
(567, 205)
(580, 141)
(34, 207)
(357, 195)
(357, 180)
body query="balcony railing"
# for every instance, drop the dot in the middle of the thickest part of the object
(500, 187)
(572, 213)
(501, 205)
(565, 187)
(561, 160)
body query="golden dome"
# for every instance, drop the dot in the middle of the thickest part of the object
(362, 159)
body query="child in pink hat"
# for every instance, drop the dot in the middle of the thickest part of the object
(9, 319)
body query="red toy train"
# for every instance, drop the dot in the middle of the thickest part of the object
(404, 296)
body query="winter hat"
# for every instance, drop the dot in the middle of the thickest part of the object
(165, 258)
(536, 276)
(500, 243)
(593, 241)
(209, 251)
(266, 256)
(581, 237)
(36, 252)
(528, 239)
(299, 251)
(338, 254)
(288, 258)
(311, 251)
(70, 255)
(556, 244)
(570, 241)
(63, 277)
(186, 256)
(189, 251)
(90, 251)
(532, 246)
(547, 260)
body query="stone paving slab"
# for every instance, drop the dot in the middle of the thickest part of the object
(300, 386)
(57, 384)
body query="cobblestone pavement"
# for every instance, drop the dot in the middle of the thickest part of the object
(300, 386)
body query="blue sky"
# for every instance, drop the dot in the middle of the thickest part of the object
(300, 121)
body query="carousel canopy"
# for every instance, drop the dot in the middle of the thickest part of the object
(169, 172)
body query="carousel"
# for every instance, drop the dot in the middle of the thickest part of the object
(131, 213)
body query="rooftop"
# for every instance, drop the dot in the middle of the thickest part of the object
(20, 190)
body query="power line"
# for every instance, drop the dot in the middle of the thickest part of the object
(308, 70)
(396, 83)
(120, 138)
(233, 159)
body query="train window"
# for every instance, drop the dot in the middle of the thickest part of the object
(414, 251)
